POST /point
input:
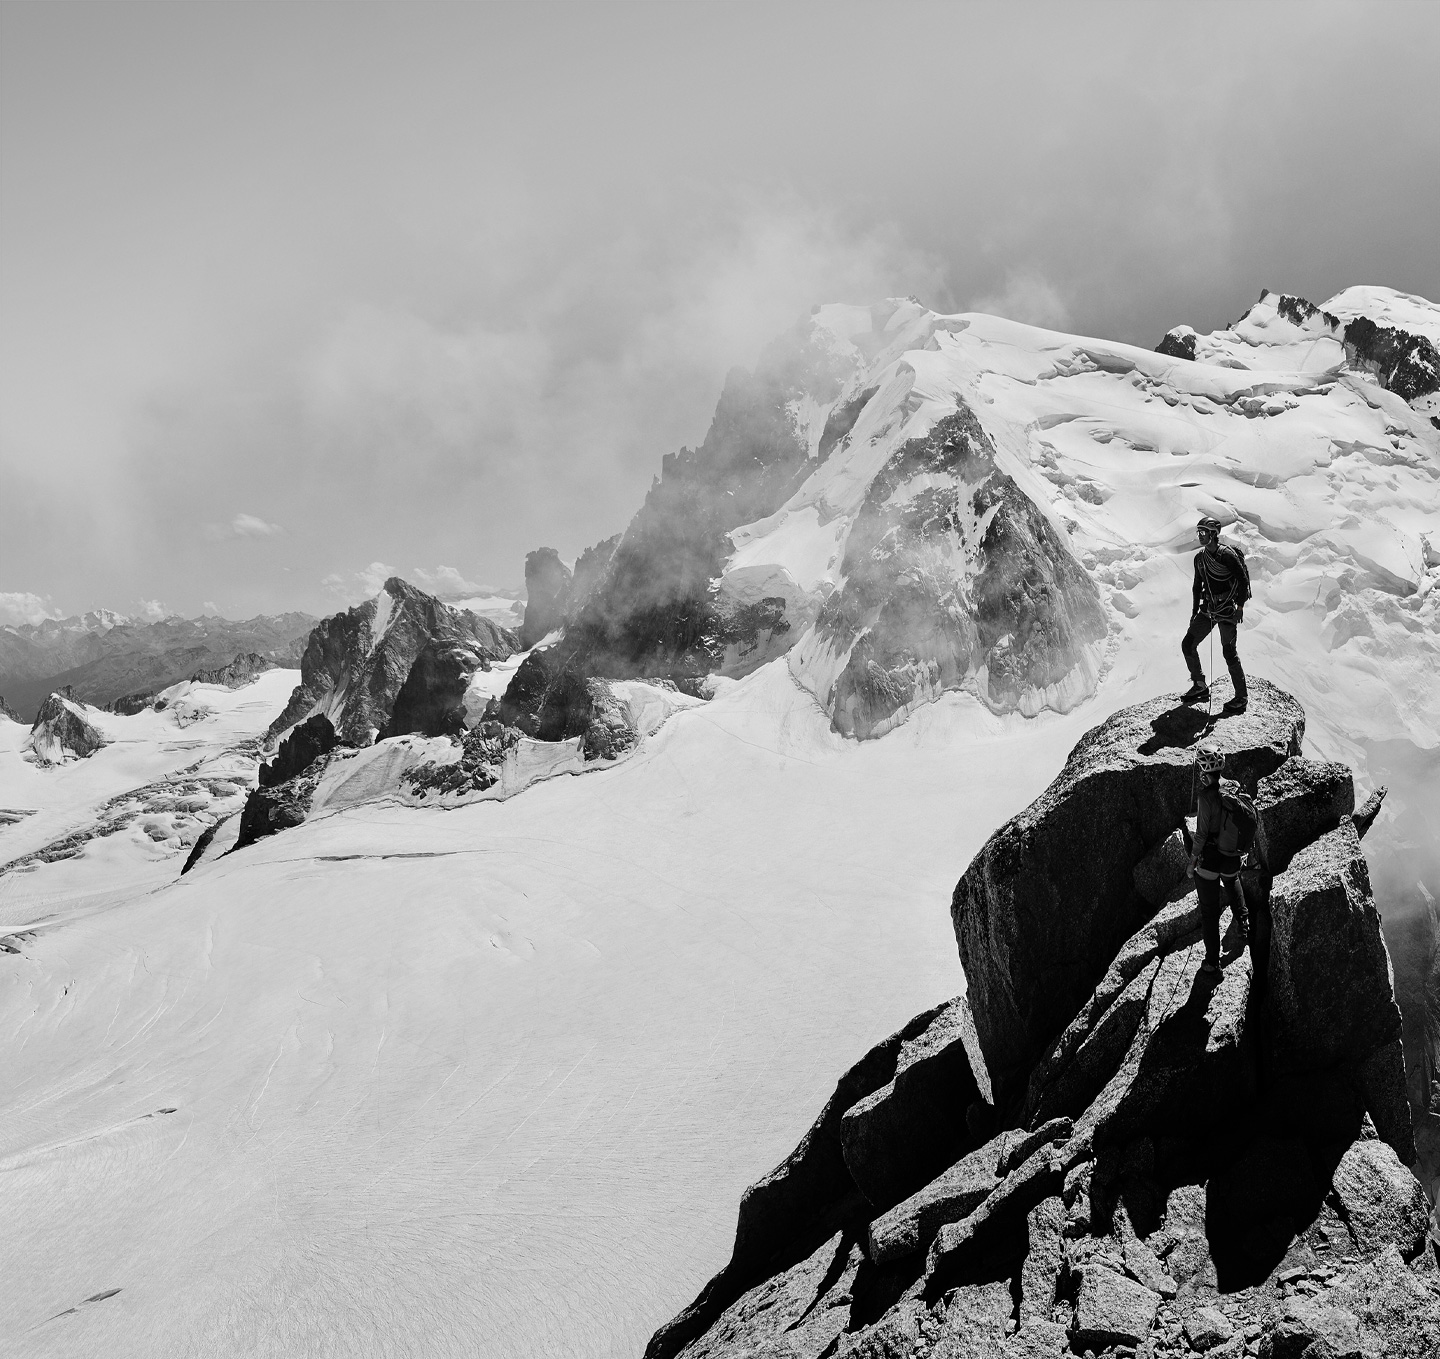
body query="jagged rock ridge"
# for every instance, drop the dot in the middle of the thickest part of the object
(356, 663)
(1165, 1160)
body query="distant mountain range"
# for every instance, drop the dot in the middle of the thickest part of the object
(104, 656)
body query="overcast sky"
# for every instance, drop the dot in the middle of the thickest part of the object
(290, 291)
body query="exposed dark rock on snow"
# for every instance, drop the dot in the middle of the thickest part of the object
(1037, 919)
(61, 732)
(304, 745)
(482, 753)
(355, 663)
(7, 711)
(944, 581)
(651, 612)
(432, 699)
(551, 699)
(127, 705)
(1405, 364)
(247, 667)
(286, 784)
(1195, 1167)
(547, 591)
(1179, 343)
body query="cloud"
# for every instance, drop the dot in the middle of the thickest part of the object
(353, 586)
(152, 611)
(250, 526)
(17, 607)
(1029, 297)
(446, 580)
(210, 608)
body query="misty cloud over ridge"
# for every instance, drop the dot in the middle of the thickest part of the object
(416, 299)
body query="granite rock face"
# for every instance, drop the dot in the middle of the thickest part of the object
(285, 785)
(1190, 1164)
(951, 572)
(356, 663)
(61, 732)
(1037, 922)
(547, 591)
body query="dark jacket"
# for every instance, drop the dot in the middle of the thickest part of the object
(1216, 834)
(1220, 587)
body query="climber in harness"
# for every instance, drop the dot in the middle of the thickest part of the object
(1222, 585)
(1225, 827)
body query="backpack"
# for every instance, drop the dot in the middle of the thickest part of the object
(1240, 808)
(1242, 590)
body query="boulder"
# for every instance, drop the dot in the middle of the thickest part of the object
(974, 1322)
(1330, 998)
(995, 1229)
(1111, 1309)
(547, 592)
(1397, 1310)
(62, 732)
(1044, 1260)
(1143, 1265)
(911, 1225)
(1037, 922)
(1300, 801)
(1207, 1327)
(1381, 1200)
(903, 1135)
(1305, 1329)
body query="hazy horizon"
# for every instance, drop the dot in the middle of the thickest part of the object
(291, 297)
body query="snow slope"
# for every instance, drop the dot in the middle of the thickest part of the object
(135, 806)
(491, 1079)
(448, 1082)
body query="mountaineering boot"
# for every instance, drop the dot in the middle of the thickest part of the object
(1238, 704)
(1199, 692)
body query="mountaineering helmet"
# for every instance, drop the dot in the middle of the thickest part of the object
(1208, 525)
(1209, 760)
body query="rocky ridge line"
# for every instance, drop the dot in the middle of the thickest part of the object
(1133, 1159)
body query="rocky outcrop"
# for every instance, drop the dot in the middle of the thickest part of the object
(431, 702)
(304, 745)
(551, 699)
(245, 669)
(953, 573)
(356, 663)
(1405, 364)
(286, 784)
(547, 592)
(1038, 920)
(1179, 343)
(8, 712)
(127, 705)
(1191, 1165)
(61, 732)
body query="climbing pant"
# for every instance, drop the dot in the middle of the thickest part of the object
(1200, 627)
(1208, 890)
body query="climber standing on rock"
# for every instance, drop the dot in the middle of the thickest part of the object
(1222, 585)
(1225, 826)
